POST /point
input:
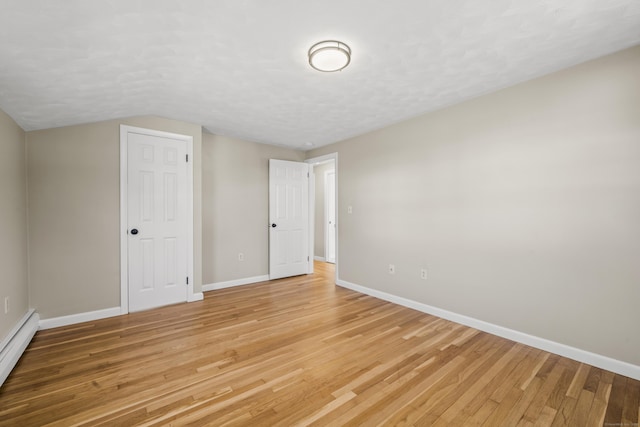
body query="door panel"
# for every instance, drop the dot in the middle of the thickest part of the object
(170, 261)
(157, 209)
(289, 212)
(147, 250)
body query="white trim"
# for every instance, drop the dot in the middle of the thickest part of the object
(72, 319)
(312, 218)
(320, 258)
(584, 356)
(124, 256)
(16, 343)
(198, 296)
(232, 283)
(323, 159)
(325, 227)
(124, 248)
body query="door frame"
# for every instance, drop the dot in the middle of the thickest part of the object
(312, 207)
(124, 190)
(327, 231)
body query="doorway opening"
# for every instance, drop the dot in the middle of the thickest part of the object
(297, 194)
(323, 202)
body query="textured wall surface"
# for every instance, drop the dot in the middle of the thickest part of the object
(523, 205)
(235, 197)
(13, 224)
(74, 214)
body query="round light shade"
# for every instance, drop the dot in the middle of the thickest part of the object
(329, 55)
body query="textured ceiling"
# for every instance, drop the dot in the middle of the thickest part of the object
(239, 68)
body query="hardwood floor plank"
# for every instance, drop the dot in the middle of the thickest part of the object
(631, 403)
(559, 393)
(300, 351)
(599, 407)
(578, 381)
(583, 407)
(546, 417)
(481, 415)
(539, 402)
(463, 400)
(613, 416)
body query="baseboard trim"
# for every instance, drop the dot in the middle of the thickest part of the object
(584, 356)
(232, 283)
(198, 296)
(320, 258)
(16, 343)
(72, 319)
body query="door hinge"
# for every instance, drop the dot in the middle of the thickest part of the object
(307, 174)
(187, 280)
(187, 158)
(307, 259)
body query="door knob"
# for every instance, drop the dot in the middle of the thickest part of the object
(273, 225)
(134, 231)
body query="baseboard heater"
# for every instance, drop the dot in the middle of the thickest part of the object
(16, 343)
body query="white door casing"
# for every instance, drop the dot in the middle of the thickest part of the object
(288, 218)
(330, 215)
(156, 219)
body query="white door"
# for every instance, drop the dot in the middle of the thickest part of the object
(156, 221)
(288, 218)
(330, 215)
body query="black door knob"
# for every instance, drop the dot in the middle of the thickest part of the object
(273, 225)
(134, 231)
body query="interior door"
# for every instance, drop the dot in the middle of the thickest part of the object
(288, 218)
(157, 221)
(330, 215)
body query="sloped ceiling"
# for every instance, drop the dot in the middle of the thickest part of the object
(239, 68)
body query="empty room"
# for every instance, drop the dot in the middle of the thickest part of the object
(288, 213)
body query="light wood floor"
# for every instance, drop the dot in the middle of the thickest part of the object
(301, 351)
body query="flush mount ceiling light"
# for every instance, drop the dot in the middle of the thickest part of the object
(329, 55)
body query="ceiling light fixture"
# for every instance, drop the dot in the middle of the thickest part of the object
(329, 55)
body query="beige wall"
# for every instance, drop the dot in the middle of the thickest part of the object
(235, 184)
(319, 225)
(74, 214)
(13, 224)
(524, 206)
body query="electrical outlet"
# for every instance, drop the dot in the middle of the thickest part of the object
(240, 256)
(6, 305)
(423, 274)
(349, 209)
(392, 269)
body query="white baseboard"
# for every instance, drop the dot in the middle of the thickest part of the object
(16, 342)
(232, 283)
(198, 296)
(56, 322)
(597, 360)
(320, 258)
